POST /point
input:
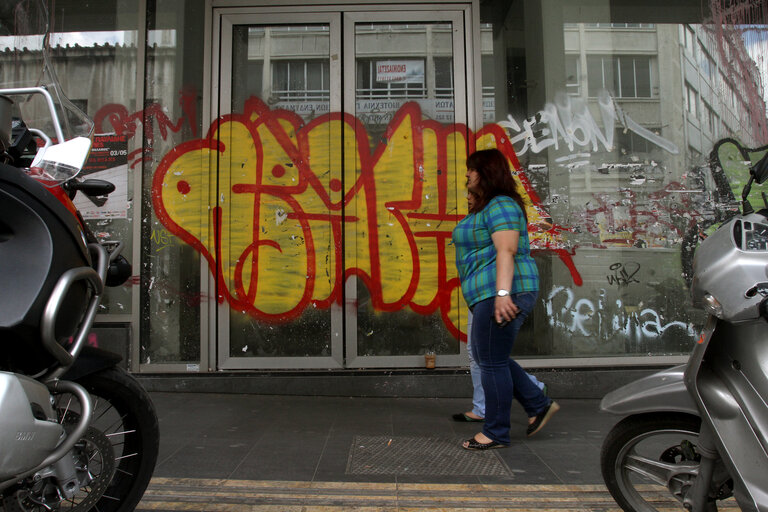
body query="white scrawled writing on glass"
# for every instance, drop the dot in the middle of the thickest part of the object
(569, 121)
(584, 317)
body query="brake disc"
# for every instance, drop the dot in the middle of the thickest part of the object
(94, 448)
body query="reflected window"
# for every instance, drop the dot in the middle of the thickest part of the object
(712, 121)
(708, 66)
(489, 76)
(80, 104)
(572, 85)
(630, 143)
(301, 79)
(691, 100)
(626, 76)
(689, 41)
(443, 77)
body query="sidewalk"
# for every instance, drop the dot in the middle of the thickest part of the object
(285, 453)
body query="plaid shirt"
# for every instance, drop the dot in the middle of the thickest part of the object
(476, 254)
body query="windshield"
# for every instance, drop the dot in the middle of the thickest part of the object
(25, 62)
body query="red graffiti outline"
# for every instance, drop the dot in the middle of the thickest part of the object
(125, 123)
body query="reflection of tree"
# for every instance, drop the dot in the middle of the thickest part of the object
(735, 161)
(729, 164)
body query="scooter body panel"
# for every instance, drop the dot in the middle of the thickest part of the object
(661, 391)
(730, 385)
(726, 376)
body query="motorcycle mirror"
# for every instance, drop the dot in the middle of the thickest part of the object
(760, 169)
(90, 187)
(118, 271)
(61, 162)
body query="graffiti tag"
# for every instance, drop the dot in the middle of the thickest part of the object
(601, 321)
(569, 121)
(623, 273)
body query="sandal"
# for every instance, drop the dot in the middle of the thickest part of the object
(474, 444)
(542, 418)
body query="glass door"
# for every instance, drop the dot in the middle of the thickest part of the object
(339, 141)
(405, 86)
(278, 191)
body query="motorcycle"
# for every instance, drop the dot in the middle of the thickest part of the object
(77, 432)
(699, 432)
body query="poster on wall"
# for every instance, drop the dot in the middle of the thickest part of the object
(400, 71)
(108, 161)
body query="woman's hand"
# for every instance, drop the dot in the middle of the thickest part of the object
(504, 310)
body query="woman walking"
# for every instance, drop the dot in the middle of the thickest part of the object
(500, 283)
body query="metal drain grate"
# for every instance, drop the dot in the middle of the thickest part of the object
(384, 455)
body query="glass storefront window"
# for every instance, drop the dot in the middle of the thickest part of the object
(631, 126)
(172, 296)
(619, 126)
(95, 60)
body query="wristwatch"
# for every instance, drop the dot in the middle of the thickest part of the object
(502, 293)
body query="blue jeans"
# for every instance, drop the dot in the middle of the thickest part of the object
(478, 395)
(503, 379)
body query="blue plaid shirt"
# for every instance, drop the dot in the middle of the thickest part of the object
(476, 254)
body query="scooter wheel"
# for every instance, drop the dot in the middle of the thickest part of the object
(649, 461)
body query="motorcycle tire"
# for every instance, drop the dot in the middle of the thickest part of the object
(647, 459)
(118, 397)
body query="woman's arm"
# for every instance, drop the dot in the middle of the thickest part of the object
(505, 243)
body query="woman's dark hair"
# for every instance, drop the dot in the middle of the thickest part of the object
(495, 178)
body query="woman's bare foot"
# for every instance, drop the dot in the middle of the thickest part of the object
(482, 438)
(474, 416)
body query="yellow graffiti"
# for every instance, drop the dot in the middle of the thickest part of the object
(295, 209)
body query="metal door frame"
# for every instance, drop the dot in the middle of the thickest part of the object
(458, 16)
(221, 99)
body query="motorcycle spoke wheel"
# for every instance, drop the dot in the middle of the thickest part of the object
(123, 411)
(95, 463)
(116, 457)
(649, 461)
(98, 453)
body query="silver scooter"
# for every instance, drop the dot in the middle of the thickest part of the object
(697, 434)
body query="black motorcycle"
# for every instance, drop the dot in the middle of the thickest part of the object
(77, 432)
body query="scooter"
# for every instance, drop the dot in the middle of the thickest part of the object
(77, 432)
(697, 434)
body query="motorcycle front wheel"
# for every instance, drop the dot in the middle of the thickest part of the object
(649, 458)
(114, 460)
(123, 413)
